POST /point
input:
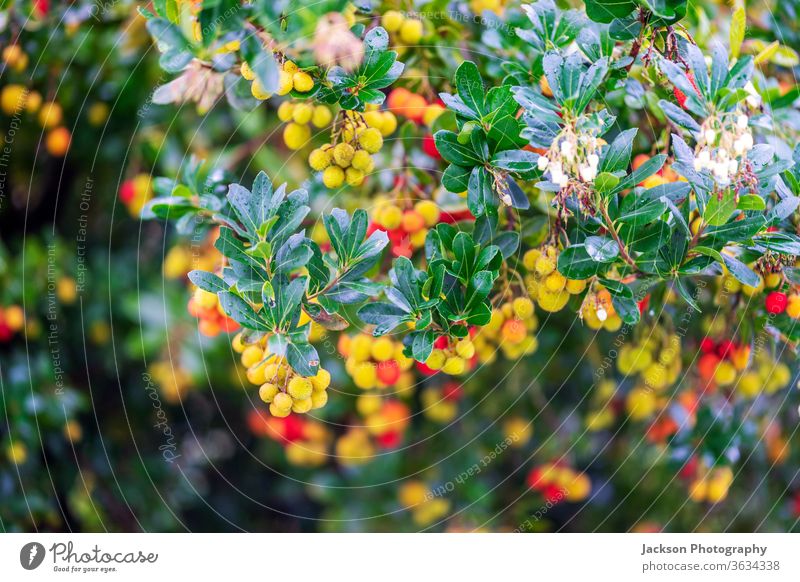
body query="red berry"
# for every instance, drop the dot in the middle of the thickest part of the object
(776, 302)
(429, 147)
(451, 391)
(388, 372)
(707, 346)
(725, 347)
(127, 191)
(390, 439)
(680, 96)
(441, 342)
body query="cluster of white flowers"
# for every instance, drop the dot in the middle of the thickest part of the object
(572, 156)
(723, 141)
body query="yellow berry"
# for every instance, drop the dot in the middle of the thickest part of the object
(300, 388)
(247, 72)
(282, 400)
(286, 111)
(411, 31)
(365, 375)
(436, 360)
(725, 374)
(322, 116)
(575, 286)
(374, 119)
(296, 136)
(432, 113)
(289, 67)
(319, 159)
(429, 211)
(258, 90)
(552, 302)
(302, 406)
(371, 140)
(319, 399)
(363, 161)
(389, 123)
(382, 349)
(454, 366)
(522, 307)
(544, 265)
(285, 84)
(322, 380)
(17, 453)
(267, 392)
(793, 306)
(302, 113)
(465, 348)
(392, 20)
(251, 356)
(343, 154)
(354, 177)
(302, 82)
(257, 374)
(50, 115)
(279, 412)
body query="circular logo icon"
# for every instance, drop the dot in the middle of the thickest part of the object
(31, 555)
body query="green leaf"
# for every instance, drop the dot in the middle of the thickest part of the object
(384, 316)
(454, 152)
(470, 87)
(241, 311)
(751, 202)
(720, 207)
(480, 193)
(517, 161)
(601, 249)
(740, 271)
(607, 10)
(303, 358)
(617, 156)
(575, 263)
(207, 281)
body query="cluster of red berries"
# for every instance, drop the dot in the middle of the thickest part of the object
(556, 481)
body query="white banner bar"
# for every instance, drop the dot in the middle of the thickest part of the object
(395, 557)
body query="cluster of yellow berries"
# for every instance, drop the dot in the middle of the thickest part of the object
(299, 116)
(173, 381)
(291, 79)
(407, 228)
(510, 330)
(354, 447)
(440, 404)
(764, 375)
(656, 358)
(350, 160)
(15, 58)
(376, 362)
(730, 285)
(425, 507)
(711, 485)
(597, 310)
(409, 31)
(452, 356)
(550, 289)
(601, 413)
(280, 386)
(17, 99)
